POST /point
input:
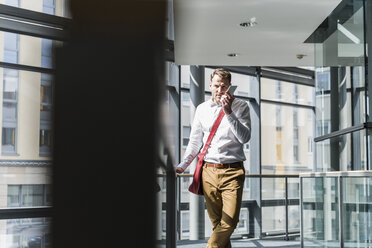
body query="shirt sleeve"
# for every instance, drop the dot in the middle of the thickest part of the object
(195, 142)
(240, 122)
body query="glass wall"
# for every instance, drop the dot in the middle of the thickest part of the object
(27, 87)
(341, 103)
(320, 209)
(357, 213)
(51, 7)
(336, 209)
(342, 133)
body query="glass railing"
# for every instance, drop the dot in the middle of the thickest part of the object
(336, 209)
(272, 211)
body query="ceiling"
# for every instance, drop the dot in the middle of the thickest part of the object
(206, 31)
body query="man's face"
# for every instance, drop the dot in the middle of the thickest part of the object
(218, 88)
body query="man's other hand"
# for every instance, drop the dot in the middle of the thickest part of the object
(179, 170)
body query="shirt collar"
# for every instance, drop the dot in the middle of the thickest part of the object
(213, 104)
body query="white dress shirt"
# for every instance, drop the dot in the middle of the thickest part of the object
(227, 143)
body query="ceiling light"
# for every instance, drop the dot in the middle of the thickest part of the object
(232, 55)
(252, 22)
(300, 56)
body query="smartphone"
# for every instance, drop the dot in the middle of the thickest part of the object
(231, 89)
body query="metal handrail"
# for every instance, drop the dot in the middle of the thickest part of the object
(287, 232)
(359, 173)
(248, 175)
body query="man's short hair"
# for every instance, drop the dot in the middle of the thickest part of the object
(224, 74)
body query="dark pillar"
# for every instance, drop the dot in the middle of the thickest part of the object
(106, 103)
(368, 27)
(337, 103)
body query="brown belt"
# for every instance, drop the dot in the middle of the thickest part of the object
(224, 166)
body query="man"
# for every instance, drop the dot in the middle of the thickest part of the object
(223, 170)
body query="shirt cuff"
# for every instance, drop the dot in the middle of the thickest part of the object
(183, 165)
(231, 117)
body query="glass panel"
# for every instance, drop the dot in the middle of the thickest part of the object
(10, 84)
(342, 43)
(357, 212)
(294, 218)
(273, 188)
(340, 75)
(273, 220)
(161, 190)
(9, 111)
(172, 74)
(32, 195)
(185, 76)
(287, 135)
(335, 154)
(22, 233)
(339, 98)
(358, 94)
(11, 47)
(51, 7)
(28, 50)
(282, 91)
(14, 3)
(26, 195)
(293, 188)
(320, 212)
(8, 140)
(46, 53)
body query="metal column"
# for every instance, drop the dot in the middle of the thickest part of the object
(197, 92)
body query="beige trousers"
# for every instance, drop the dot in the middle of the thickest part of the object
(223, 189)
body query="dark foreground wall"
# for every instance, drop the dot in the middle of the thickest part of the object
(106, 99)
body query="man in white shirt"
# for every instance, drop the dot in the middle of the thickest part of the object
(223, 170)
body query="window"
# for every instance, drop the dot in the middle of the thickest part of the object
(186, 99)
(29, 195)
(10, 89)
(185, 224)
(46, 53)
(10, 95)
(309, 144)
(322, 81)
(246, 147)
(49, 7)
(14, 3)
(46, 94)
(11, 47)
(186, 135)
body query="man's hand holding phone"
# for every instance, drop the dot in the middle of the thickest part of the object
(228, 99)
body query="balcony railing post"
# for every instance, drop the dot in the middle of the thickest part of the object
(340, 212)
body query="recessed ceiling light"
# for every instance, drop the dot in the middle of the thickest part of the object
(300, 56)
(232, 55)
(252, 22)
